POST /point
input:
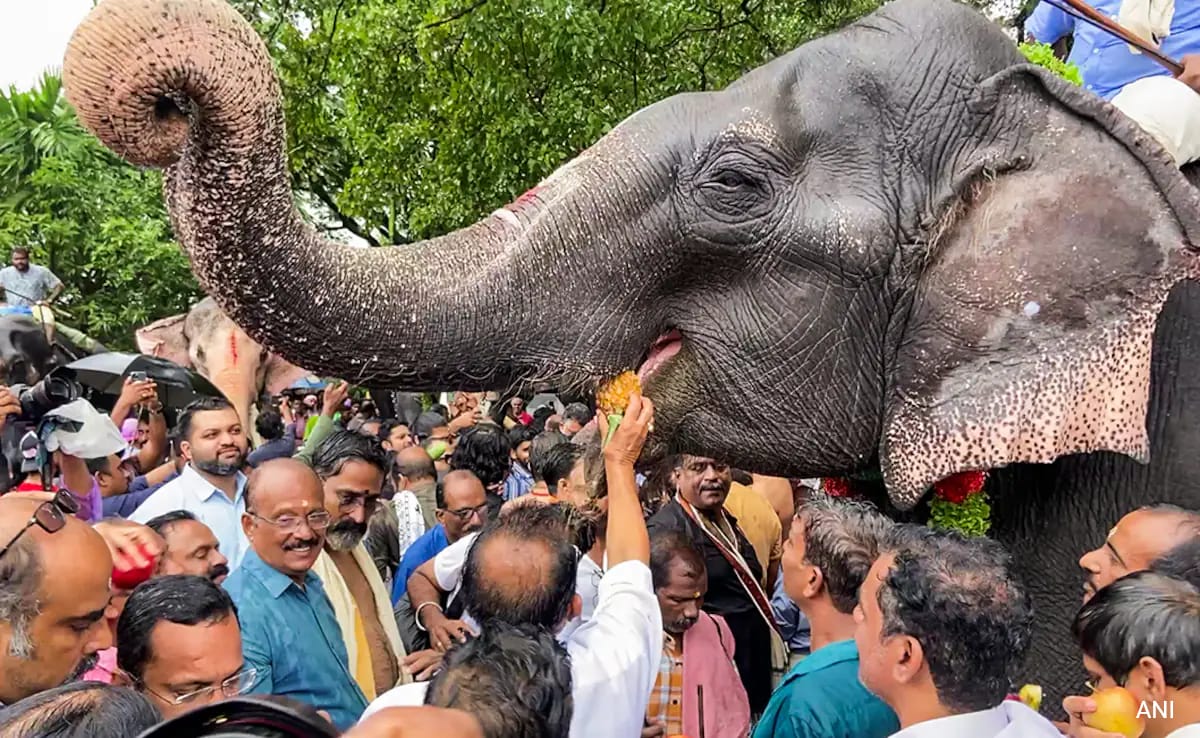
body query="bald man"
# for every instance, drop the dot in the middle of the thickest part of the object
(54, 589)
(290, 634)
(1136, 541)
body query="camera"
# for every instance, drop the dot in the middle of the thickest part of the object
(51, 392)
(247, 717)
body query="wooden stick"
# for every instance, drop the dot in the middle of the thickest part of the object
(700, 706)
(1096, 18)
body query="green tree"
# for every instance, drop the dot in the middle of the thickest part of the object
(409, 119)
(95, 221)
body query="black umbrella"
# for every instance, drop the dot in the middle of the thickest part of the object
(106, 374)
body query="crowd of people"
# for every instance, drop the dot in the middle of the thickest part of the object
(532, 582)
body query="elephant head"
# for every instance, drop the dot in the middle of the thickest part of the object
(897, 244)
(208, 341)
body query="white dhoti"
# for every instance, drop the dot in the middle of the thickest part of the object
(1167, 109)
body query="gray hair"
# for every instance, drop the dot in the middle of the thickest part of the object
(20, 579)
(842, 539)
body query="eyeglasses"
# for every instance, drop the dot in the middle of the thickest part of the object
(349, 501)
(465, 514)
(50, 516)
(317, 520)
(238, 684)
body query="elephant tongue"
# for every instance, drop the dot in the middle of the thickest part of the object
(665, 346)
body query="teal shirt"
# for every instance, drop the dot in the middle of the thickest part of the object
(292, 637)
(823, 698)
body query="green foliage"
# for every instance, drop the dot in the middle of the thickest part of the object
(410, 119)
(1043, 56)
(971, 517)
(96, 222)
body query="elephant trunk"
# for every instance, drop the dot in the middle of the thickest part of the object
(190, 86)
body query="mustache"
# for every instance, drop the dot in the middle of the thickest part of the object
(218, 571)
(300, 544)
(87, 664)
(345, 534)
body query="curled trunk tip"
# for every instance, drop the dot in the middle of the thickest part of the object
(135, 69)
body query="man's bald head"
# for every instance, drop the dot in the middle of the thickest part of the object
(285, 519)
(521, 569)
(461, 503)
(279, 476)
(1137, 540)
(415, 465)
(54, 589)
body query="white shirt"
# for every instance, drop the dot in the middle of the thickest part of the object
(614, 659)
(192, 492)
(1009, 719)
(410, 521)
(1187, 731)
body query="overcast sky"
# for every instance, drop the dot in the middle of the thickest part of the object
(35, 36)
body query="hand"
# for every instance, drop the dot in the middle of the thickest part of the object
(335, 397)
(1076, 708)
(653, 729)
(126, 540)
(417, 722)
(465, 420)
(423, 664)
(626, 444)
(1191, 71)
(444, 632)
(9, 405)
(138, 393)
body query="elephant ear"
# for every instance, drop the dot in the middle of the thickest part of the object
(165, 339)
(1034, 297)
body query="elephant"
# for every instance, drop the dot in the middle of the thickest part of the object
(26, 355)
(898, 248)
(207, 340)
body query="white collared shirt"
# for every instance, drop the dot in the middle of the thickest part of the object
(1009, 719)
(1187, 731)
(614, 659)
(192, 492)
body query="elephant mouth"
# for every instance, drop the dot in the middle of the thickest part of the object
(663, 348)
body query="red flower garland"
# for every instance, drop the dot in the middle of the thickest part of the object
(957, 488)
(836, 486)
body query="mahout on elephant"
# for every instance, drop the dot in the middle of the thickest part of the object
(898, 247)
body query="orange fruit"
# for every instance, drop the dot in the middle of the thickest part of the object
(1116, 712)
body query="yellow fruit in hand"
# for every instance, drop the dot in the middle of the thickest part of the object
(1031, 695)
(613, 395)
(1116, 712)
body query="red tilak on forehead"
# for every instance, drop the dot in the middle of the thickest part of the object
(524, 199)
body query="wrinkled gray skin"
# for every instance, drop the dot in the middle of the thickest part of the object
(893, 247)
(25, 354)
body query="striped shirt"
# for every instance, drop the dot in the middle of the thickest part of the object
(666, 699)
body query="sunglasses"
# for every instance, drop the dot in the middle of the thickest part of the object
(50, 516)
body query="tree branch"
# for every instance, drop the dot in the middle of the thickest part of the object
(337, 14)
(455, 16)
(347, 222)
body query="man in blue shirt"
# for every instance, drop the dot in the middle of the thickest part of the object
(461, 509)
(289, 633)
(1166, 107)
(828, 553)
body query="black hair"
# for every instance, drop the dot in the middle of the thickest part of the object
(20, 250)
(341, 446)
(418, 468)
(557, 463)
(385, 428)
(426, 422)
(540, 593)
(960, 600)
(269, 424)
(80, 710)
(542, 443)
(203, 405)
(515, 680)
(1181, 562)
(841, 538)
(483, 450)
(667, 546)
(99, 465)
(179, 599)
(578, 412)
(160, 524)
(519, 434)
(1145, 614)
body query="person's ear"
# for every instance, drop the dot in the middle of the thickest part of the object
(816, 581)
(248, 526)
(185, 449)
(908, 658)
(1147, 679)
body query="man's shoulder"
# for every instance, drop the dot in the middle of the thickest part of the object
(833, 693)
(669, 517)
(406, 695)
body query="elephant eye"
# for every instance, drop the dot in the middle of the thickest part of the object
(731, 179)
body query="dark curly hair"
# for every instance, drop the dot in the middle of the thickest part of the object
(1143, 614)
(483, 450)
(841, 538)
(960, 600)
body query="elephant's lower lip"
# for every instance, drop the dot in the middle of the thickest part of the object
(664, 347)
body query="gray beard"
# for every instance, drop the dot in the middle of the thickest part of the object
(344, 536)
(218, 468)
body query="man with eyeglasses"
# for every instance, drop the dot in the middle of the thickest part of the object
(289, 632)
(461, 509)
(54, 582)
(734, 573)
(178, 643)
(351, 466)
